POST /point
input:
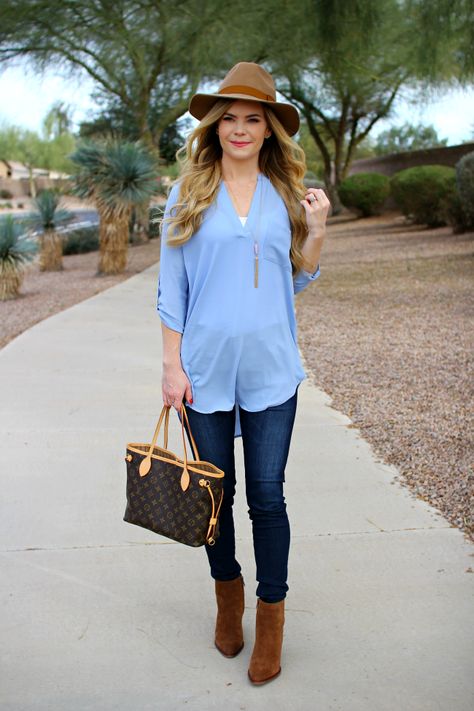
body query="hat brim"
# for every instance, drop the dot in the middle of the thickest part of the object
(288, 116)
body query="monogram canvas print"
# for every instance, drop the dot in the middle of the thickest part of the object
(158, 503)
(173, 497)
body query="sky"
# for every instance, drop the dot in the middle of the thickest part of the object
(27, 98)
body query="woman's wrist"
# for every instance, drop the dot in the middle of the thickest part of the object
(172, 361)
(317, 233)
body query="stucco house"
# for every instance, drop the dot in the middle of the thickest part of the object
(17, 171)
(16, 180)
(13, 169)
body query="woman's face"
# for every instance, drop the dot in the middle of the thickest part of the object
(242, 130)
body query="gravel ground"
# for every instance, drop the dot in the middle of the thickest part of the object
(386, 331)
(43, 294)
(388, 334)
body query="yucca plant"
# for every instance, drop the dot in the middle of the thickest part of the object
(117, 177)
(16, 250)
(47, 215)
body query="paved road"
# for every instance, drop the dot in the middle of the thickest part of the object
(81, 216)
(99, 615)
(88, 215)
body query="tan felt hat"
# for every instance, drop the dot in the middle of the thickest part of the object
(250, 82)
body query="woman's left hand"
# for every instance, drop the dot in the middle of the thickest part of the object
(316, 205)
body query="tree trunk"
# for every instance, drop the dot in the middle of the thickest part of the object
(51, 254)
(31, 181)
(334, 199)
(332, 192)
(142, 223)
(11, 277)
(113, 242)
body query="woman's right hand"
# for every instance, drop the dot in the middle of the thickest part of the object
(175, 386)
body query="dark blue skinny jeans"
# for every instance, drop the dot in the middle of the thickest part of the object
(266, 437)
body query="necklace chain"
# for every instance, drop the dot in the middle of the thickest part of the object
(255, 239)
(254, 184)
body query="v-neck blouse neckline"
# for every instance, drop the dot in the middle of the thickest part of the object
(252, 208)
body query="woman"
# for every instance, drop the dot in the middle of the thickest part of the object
(241, 236)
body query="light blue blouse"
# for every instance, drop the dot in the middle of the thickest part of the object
(239, 342)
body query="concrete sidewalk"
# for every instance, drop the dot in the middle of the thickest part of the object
(98, 614)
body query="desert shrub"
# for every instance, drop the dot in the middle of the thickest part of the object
(422, 193)
(16, 250)
(465, 193)
(365, 192)
(455, 215)
(81, 240)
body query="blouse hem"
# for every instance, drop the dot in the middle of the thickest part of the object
(261, 409)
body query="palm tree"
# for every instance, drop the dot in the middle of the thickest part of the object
(48, 215)
(116, 176)
(15, 251)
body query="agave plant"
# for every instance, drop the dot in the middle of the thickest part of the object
(117, 177)
(16, 250)
(47, 216)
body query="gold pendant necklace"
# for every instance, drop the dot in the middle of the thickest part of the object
(255, 240)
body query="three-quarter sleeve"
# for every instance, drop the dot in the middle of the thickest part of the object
(303, 278)
(173, 290)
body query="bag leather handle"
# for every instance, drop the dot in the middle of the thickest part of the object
(145, 464)
(193, 443)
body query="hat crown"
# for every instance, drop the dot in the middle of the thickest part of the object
(251, 78)
(247, 81)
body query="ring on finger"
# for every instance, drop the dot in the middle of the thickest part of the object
(312, 198)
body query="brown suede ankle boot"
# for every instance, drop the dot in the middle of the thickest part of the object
(229, 637)
(266, 655)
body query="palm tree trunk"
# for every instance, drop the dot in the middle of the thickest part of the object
(142, 223)
(51, 255)
(113, 241)
(11, 277)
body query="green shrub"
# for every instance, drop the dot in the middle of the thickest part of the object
(465, 191)
(365, 192)
(84, 239)
(455, 215)
(423, 193)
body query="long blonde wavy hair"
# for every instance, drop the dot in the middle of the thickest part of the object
(281, 159)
